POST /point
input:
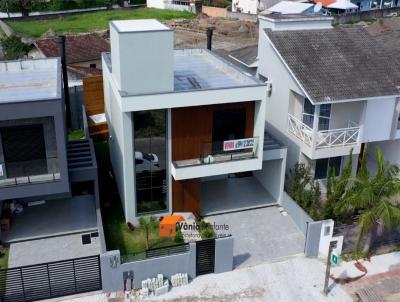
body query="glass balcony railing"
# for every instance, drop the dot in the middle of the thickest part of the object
(29, 172)
(223, 151)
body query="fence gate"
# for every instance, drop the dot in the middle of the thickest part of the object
(50, 280)
(205, 256)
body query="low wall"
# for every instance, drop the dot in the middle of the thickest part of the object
(214, 11)
(113, 271)
(362, 16)
(242, 16)
(299, 216)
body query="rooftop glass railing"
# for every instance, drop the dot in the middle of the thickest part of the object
(29, 172)
(223, 151)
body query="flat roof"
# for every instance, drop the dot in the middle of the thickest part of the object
(201, 69)
(30, 80)
(198, 69)
(139, 25)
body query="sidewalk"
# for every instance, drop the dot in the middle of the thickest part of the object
(378, 265)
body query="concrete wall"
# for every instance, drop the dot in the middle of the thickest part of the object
(272, 177)
(245, 6)
(365, 15)
(299, 216)
(214, 11)
(223, 255)
(112, 269)
(40, 109)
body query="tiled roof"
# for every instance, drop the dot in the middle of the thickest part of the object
(79, 48)
(324, 3)
(340, 63)
(246, 55)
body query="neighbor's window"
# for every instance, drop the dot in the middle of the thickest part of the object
(150, 145)
(324, 115)
(322, 165)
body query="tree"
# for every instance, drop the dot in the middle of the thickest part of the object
(300, 185)
(148, 224)
(336, 189)
(25, 6)
(375, 198)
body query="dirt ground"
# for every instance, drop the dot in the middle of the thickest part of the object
(228, 34)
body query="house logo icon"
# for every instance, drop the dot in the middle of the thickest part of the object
(168, 225)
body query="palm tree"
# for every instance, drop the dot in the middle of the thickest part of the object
(148, 224)
(375, 197)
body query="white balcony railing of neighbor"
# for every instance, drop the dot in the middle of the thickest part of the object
(326, 138)
(300, 130)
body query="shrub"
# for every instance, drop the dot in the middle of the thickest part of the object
(14, 48)
(206, 230)
(300, 185)
(178, 237)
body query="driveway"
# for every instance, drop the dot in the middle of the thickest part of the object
(260, 235)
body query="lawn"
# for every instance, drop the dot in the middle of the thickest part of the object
(4, 258)
(93, 21)
(119, 237)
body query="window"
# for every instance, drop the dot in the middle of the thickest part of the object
(150, 160)
(92, 65)
(24, 150)
(228, 124)
(324, 115)
(322, 165)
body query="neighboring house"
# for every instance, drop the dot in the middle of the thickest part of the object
(246, 58)
(332, 90)
(180, 5)
(42, 176)
(255, 6)
(83, 53)
(192, 139)
(290, 7)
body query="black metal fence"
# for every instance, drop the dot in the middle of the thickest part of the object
(156, 252)
(50, 280)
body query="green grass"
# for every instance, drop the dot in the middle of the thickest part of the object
(75, 135)
(4, 258)
(119, 237)
(93, 21)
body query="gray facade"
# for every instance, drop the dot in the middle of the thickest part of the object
(49, 113)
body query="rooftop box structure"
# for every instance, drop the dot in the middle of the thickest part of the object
(138, 58)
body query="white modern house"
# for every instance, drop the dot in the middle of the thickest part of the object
(331, 91)
(187, 129)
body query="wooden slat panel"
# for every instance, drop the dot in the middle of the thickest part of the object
(186, 195)
(192, 128)
(93, 95)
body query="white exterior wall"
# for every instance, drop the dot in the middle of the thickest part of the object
(139, 65)
(245, 6)
(342, 113)
(156, 4)
(378, 123)
(277, 108)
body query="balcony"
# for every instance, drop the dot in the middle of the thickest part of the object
(318, 142)
(29, 172)
(218, 158)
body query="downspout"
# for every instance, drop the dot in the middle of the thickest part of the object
(65, 81)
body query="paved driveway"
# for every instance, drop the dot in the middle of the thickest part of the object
(261, 235)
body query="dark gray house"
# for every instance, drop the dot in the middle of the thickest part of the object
(48, 185)
(33, 159)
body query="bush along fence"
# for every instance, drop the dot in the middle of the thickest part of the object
(121, 272)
